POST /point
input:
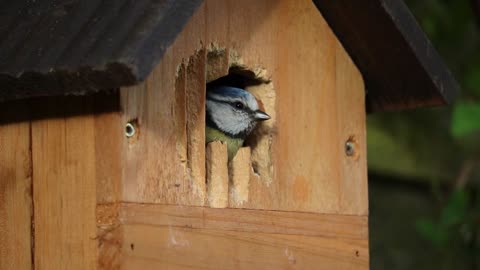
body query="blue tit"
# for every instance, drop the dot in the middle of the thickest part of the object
(231, 114)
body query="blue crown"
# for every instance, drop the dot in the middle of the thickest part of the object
(229, 91)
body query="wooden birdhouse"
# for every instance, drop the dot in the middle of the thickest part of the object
(103, 161)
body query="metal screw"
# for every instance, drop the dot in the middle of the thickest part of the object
(130, 130)
(350, 148)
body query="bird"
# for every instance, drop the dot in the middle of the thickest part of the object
(231, 115)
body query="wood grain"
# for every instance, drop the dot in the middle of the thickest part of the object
(110, 255)
(240, 170)
(15, 190)
(217, 174)
(353, 176)
(196, 95)
(240, 239)
(237, 250)
(180, 114)
(319, 104)
(109, 153)
(245, 220)
(63, 154)
(154, 167)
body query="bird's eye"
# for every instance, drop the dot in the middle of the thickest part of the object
(238, 105)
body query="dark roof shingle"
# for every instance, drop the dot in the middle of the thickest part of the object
(53, 47)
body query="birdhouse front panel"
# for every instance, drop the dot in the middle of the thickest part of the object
(291, 61)
(295, 192)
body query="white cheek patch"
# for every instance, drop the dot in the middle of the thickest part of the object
(228, 119)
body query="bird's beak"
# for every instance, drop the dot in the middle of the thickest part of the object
(261, 116)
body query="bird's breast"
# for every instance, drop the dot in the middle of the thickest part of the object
(233, 144)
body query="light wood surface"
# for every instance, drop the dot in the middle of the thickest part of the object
(195, 99)
(109, 131)
(64, 185)
(166, 163)
(180, 115)
(176, 237)
(353, 174)
(217, 174)
(319, 96)
(15, 189)
(240, 172)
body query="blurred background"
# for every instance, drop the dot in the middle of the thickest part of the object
(424, 165)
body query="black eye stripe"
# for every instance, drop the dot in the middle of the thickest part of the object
(232, 103)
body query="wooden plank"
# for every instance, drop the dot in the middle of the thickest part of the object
(15, 188)
(240, 170)
(155, 168)
(63, 154)
(217, 174)
(245, 220)
(237, 250)
(195, 99)
(401, 67)
(156, 236)
(110, 255)
(306, 145)
(353, 175)
(109, 150)
(180, 113)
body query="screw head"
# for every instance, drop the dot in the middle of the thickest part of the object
(130, 130)
(350, 148)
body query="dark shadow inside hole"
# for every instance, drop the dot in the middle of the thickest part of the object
(237, 77)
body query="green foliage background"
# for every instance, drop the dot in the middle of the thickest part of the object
(441, 146)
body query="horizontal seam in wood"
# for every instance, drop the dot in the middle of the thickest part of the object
(124, 205)
(239, 230)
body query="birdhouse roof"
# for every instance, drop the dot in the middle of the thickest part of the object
(76, 47)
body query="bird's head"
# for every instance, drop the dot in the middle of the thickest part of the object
(233, 111)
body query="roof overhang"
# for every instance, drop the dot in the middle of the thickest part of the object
(401, 68)
(80, 46)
